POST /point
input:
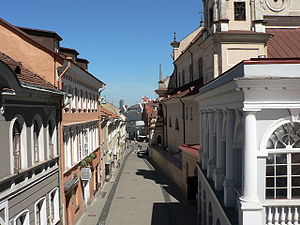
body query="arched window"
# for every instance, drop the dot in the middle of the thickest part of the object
(22, 218)
(200, 70)
(36, 133)
(283, 162)
(170, 122)
(37, 139)
(204, 219)
(176, 124)
(54, 206)
(210, 215)
(51, 138)
(40, 212)
(183, 77)
(191, 72)
(16, 134)
(218, 222)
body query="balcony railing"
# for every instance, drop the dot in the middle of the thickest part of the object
(282, 213)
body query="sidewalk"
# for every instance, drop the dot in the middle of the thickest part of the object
(93, 211)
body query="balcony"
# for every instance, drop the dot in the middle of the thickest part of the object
(282, 212)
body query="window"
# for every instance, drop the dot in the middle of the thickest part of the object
(79, 141)
(85, 142)
(40, 212)
(22, 218)
(191, 115)
(179, 79)
(211, 16)
(176, 124)
(240, 11)
(283, 163)
(36, 133)
(186, 112)
(170, 122)
(191, 72)
(200, 70)
(183, 75)
(51, 139)
(54, 206)
(17, 146)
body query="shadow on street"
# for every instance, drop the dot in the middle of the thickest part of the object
(169, 212)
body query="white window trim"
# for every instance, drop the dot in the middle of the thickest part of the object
(24, 163)
(43, 210)
(56, 206)
(39, 121)
(21, 213)
(4, 205)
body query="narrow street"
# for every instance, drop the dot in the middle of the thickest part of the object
(142, 196)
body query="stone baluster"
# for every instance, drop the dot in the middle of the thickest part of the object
(276, 216)
(296, 216)
(282, 216)
(289, 216)
(270, 216)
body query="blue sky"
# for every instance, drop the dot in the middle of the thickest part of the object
(124, 41)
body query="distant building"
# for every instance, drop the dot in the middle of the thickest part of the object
(133, 115)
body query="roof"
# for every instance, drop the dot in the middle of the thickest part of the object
(82, 60)
(191, 149)
(106, 112)
(38, 32)
(23, 74)
(69, 50)
(30, 39)
(285, 43)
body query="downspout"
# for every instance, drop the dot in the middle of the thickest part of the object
(183, 118)
(62, 209)
(166, 139)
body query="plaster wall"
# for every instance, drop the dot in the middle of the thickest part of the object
(32, 57)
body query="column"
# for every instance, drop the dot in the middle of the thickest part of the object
(229, 198)
(211, 146)
(250, 205)
(204, 142)
(218, 173)
(200, 137)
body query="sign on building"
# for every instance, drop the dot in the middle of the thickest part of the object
(85, 173)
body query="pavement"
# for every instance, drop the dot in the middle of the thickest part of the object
(137, 194)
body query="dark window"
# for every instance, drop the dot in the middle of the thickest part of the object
(191, 72)
(51, 145)
(176, 124)
(211, 16)
(240, 11)
(200, 69)
(170, 122)
(183, 75)
(36, 131)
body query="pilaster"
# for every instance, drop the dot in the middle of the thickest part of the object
(211, 146)
(220, 150)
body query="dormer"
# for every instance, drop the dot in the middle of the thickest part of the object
(48, 39)
(69, 52)
(83, 63)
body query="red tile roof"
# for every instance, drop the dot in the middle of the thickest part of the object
(24, 75)
(285, 43)
(105, 112)
(192, 149)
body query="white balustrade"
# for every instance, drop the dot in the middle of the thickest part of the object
(282, 215)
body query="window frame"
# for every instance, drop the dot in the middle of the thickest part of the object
(43, 211)
(238, 14)
(275, 153)
(26, 221)
(56, 216)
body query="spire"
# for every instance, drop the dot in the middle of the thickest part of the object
(174, 36)
(160, 74)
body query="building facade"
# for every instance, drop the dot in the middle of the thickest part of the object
(30, 124)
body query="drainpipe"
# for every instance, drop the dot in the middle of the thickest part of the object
(166, 138)
(62, 209)
(69, 59)
(183, 117)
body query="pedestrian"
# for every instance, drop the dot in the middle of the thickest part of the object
(118, 163)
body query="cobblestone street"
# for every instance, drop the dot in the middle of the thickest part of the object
(139, 195)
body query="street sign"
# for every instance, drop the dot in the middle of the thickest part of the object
(85, 173)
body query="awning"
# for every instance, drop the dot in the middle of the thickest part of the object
(69, 185)
(191, 149)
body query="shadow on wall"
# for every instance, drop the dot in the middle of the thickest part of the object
(174, 213)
